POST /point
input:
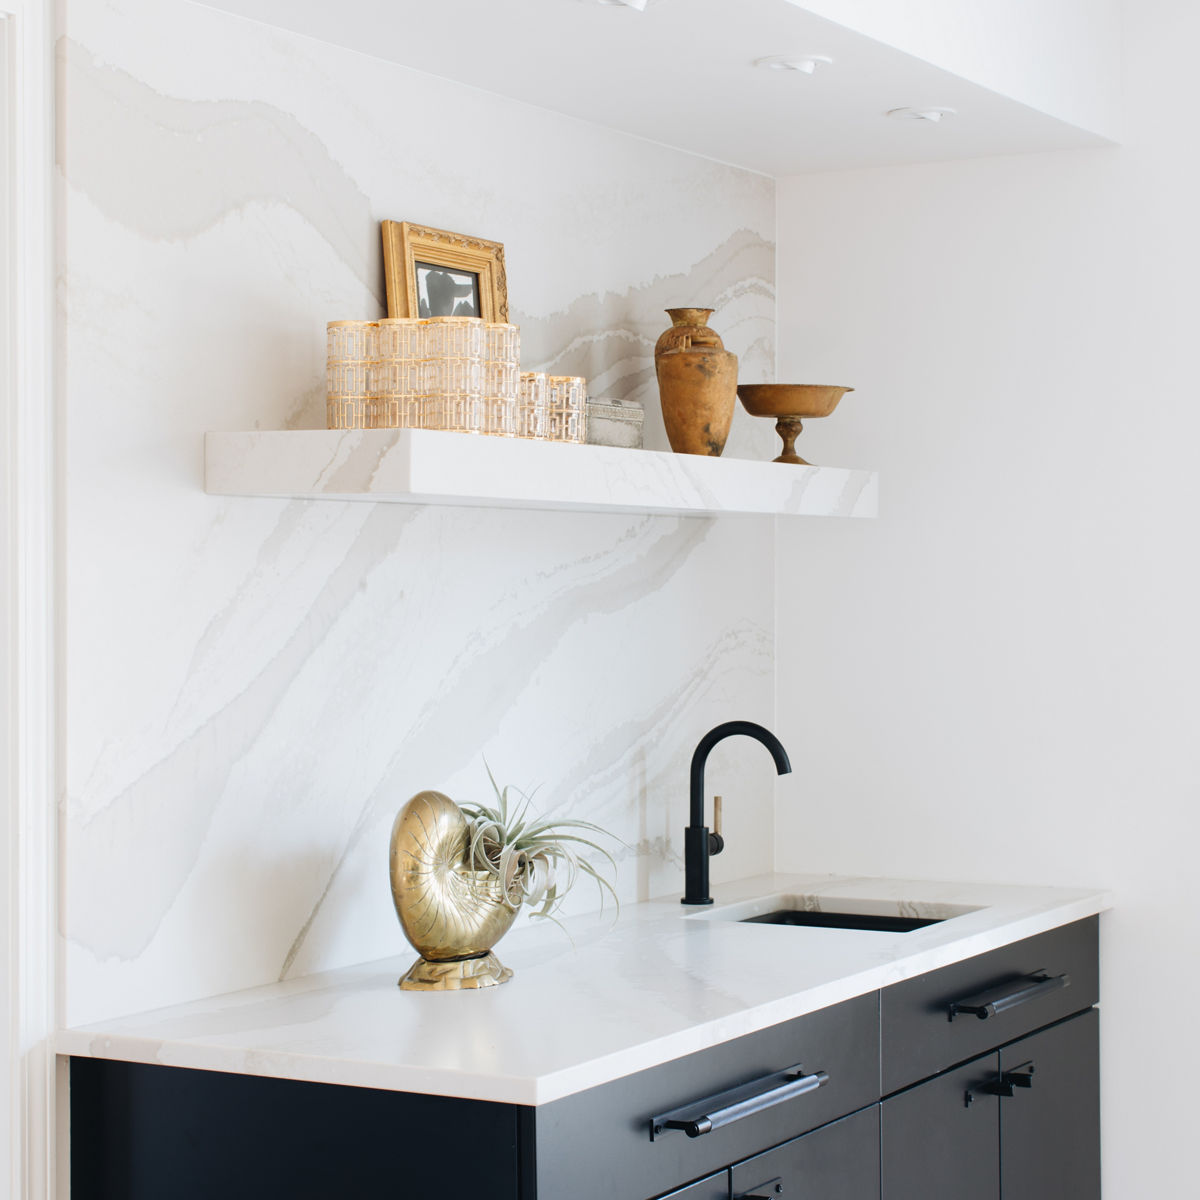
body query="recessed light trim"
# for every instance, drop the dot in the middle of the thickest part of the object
(933, 115)
(804, 64)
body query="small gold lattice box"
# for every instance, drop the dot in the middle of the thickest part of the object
(552, 407)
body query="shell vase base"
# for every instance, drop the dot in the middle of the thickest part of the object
(483, 971)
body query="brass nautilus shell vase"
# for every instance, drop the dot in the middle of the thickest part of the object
(452, 914)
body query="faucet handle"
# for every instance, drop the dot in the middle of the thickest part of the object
(716, 843)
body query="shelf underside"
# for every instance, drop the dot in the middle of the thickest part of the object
(416, 466)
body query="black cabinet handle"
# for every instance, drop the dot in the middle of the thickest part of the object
(703, 1116)
(1018, 1077)
(999, 999)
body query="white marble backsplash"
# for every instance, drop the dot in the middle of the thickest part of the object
(253, 687)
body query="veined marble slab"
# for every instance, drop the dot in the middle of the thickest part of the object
(253, 688)
(657, 984)
(427, 467)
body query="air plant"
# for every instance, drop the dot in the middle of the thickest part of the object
(535, 860)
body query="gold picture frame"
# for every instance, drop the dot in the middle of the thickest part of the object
(429, 272)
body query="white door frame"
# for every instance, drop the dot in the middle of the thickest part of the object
(29, 610)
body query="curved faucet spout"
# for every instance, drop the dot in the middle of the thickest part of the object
(697, 843)
(719, 734)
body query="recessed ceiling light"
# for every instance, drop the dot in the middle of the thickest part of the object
(922, 114)
(806, 64)
(640, 5)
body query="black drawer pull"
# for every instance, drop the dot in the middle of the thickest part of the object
(999, 999)
(1018, 1077)
(703, 1116)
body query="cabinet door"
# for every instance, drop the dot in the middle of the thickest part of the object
(1050, 1125)
(940, 1139)
(837, 1162)
(141, 1132)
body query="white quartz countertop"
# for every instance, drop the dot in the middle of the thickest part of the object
(661, 982)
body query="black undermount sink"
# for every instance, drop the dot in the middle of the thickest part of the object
(879, 922)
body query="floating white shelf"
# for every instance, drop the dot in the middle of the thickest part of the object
(417, 466)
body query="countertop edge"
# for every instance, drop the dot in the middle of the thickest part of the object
(534, 1090)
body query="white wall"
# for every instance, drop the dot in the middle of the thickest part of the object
(997, 679)
(255, 687)
(1059, 56)
(8, 681)
(27, 604)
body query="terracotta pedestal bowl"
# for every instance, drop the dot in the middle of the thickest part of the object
(789, 404)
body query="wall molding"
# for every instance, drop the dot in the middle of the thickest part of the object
(28, 603)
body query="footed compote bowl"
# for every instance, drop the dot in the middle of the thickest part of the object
(789, 403)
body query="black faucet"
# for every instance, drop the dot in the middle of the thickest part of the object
(698, 843)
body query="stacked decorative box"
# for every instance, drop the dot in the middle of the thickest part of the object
(351, 349)
(458, 374)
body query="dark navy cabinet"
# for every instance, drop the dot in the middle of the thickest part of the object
(840, 1161)
(1019, 1122)
(141, 1132)
(977, 1080)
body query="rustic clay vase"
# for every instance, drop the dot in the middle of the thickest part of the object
(697, 383)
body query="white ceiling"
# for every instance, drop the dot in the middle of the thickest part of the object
(682, 73)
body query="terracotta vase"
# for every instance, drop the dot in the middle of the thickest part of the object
(697, 383)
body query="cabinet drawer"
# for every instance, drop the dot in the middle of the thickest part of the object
(597, 1144)
(715, 1187)
(1017, 989)
(837, 1162)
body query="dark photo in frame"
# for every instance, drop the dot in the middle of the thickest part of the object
(446, 292)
